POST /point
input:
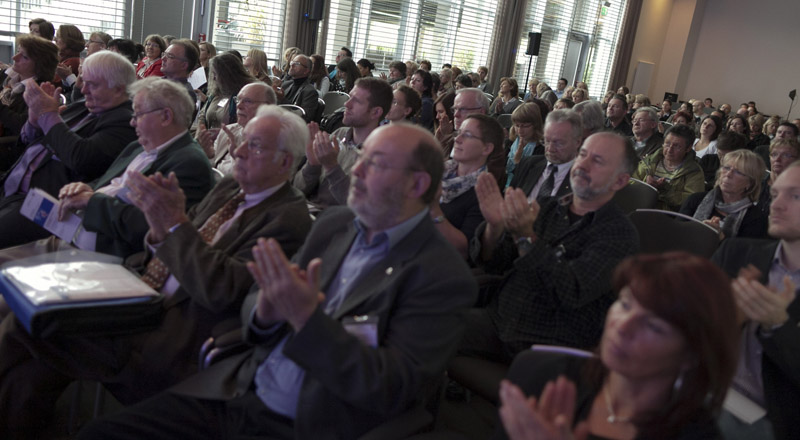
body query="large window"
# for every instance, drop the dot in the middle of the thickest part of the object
(579, 38)
(98, 15)
(441, 31)
(249, 24)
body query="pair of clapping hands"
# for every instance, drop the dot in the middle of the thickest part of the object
(160, 199)
(322, 149)
(41, 99)
(512, 213)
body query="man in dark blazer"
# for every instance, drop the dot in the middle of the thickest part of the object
(76, 146)
(767, 297)
(206, 285)
(298, 90)
(563, 135)
(111, 224)
(556, 255)
(351, 336)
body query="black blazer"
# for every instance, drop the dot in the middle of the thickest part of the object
(780, 362)
(529, 171)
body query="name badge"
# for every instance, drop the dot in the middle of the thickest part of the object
(222, 102)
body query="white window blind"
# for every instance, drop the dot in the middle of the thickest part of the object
(593, 22)
(250, 24)
(441, 31)
(98, 15)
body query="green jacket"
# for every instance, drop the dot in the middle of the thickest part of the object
(686, 182)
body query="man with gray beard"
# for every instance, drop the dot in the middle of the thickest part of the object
(557, 255)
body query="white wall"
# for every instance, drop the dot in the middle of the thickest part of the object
(748, 51)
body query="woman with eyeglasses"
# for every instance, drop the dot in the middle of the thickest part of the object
(456, 211)
(666, 358)
(150, 65)
(732, 206)
(526, 132)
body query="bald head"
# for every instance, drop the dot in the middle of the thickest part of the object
(469, 101)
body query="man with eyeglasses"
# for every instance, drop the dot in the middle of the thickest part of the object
(350, 333)
(298, 90)
(77, 144)
(219, 146)
(470, 101)
(646, 138)
(548, 175)
(111, 223)
(197, 260)
(325, 177)
(556, 255)
(178, 62)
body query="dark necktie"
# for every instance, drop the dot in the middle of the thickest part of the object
(157, 272)
(549, 183)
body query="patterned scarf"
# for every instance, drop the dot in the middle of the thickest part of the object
(734, 212)
(454, 185)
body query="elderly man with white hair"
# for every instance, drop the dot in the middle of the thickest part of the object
(198, 261)
(76, 145)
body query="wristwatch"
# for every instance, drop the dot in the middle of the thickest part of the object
(524, 245)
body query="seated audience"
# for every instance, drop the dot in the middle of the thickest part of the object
(548, 175)
(531, 93)
(443, 125)
(310, 373)
(347, 75)
(365, 67)
(785, 130)
(483, 75)
(527, 132)
(592, 114)
(228, 76)
(127, 48)
(710, 129)
(446, 81)
(282, 72)
(76, 145)
(162, 115)
(422, 82)
(556, 287)
(731, 207)
(646, 138)
(756, 123)
(507, 97)
(665, 361)
(218, 146)
(332, 72)
(672, 169)
(207, 51)
(726, 142)
(297, 90)
(70, 43)
(256, 64)
(405, 105)
(666, 110)
(319, 75)
(457, 213)
(616, 116)
(199, 261)
(771, 126)
(765, 288)
(325, 177)
(35, 58)
(42, 28)
(150, 65)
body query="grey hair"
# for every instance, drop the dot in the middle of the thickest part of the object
(113, 67)
(570, 117)
(269, 92)
(164, 93)
(592, 114)
(478, 95)
(650, 112)
(293, 136)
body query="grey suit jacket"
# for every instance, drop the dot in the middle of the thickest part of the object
(417, 293)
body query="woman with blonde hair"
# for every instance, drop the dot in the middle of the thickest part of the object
(256, 63)
(732, 207)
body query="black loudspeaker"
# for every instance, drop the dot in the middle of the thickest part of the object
(316, 10)
(534, 40)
